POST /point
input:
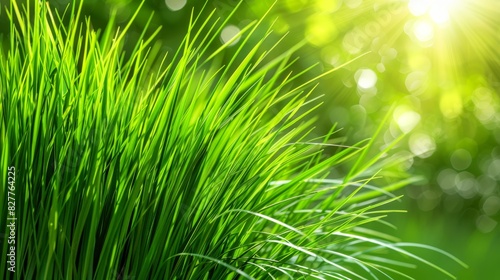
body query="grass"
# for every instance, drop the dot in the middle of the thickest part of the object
(142, 166)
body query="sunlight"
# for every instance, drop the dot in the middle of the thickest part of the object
(437, 10)
(419, 7)
(423, 30)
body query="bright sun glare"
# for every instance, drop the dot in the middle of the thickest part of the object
(437, 10)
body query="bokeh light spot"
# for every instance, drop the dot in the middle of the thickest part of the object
(484, 105)
(415, 81)
(446, 180)
(408, 120)
(494, 169)
(487, 185)
(422, 145)
(365, 78)
(423, 30)
(467, 185)
(418, 7)
(491, 205)
(461, 159)
(381, 67)
(485, 224)
(229, 33)
(175, 5)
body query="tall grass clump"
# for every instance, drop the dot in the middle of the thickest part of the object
(141, 166)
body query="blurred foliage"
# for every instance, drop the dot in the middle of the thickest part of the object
(437, 61)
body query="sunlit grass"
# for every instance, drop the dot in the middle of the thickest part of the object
(190, 170)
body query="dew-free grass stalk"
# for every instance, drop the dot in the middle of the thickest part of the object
(135, 166)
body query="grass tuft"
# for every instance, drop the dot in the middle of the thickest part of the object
(141, 166)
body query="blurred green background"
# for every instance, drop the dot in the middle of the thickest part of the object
(437, 62)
